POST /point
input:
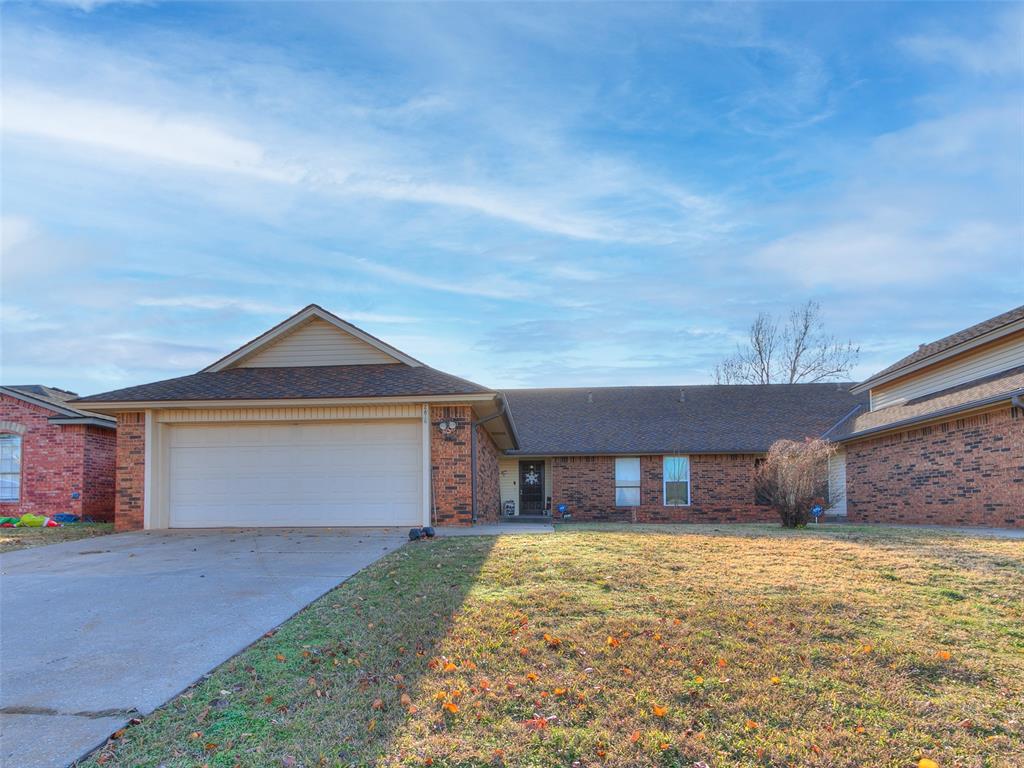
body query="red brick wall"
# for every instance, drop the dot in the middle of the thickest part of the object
(966, 471)
(488, 490)
(130, 471)
(58, 461)
(451, 464)
(98, 484)
(721, 490)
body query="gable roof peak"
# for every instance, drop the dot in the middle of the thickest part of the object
(286, 326)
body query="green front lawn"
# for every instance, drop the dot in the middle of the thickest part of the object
(23, 538)
(744, 646)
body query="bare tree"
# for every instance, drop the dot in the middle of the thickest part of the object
(789, 352)
(794, 477)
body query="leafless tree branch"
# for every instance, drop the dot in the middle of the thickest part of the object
(800, 351)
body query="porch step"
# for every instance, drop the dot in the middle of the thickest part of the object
(527, 519)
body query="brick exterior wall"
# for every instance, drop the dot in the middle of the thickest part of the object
(451, 465)
(966, 471)
(130, 471)
(721, 490)
(59, 461)
(98, 483)
(488, 482)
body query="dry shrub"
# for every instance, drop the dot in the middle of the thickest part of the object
(793, 477)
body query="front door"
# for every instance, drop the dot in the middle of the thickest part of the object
(531, 487)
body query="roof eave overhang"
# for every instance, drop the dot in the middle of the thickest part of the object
(87, 421)
(923, 420)
(496, 420)
(68, 413)
(120, 406)
(938, 357)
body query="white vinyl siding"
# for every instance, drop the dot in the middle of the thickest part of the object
(341, 474)
(676, 481)
(837, 484)
(971, 366)
(315, 343)
(627, 481)
(508, 480)
(10, 467)
(508, 483)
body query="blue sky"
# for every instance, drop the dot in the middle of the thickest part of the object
(525, 195)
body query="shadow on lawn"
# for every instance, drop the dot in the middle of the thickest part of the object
(327, 688)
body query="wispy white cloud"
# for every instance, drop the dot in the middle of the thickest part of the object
(999, 52)
(217, 303)
(490, 287)
(181, 140)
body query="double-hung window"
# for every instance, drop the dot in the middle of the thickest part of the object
(627, 481)
(676, 474)
(10, 467)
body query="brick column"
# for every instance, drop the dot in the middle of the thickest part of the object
(130, 471)
(451, 462)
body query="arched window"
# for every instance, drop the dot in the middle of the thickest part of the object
(10, 466)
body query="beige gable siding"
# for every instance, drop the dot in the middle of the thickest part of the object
(316, 343)
(992, 359)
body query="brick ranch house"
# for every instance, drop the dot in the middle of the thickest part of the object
(54, 457)
(318, 423)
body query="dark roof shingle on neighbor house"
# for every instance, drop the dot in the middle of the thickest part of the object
(948, 342)
(708, 418)
(307, 382)
(59, 401)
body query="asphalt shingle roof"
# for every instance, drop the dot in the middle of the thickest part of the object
(1000, 386)
(326, 381)
(689, 419)
(60, 400)
(947, 342)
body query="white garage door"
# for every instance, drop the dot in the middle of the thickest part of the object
(295, 475)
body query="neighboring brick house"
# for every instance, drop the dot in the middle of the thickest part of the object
(54, 457)
(942, 439)
(317, 423)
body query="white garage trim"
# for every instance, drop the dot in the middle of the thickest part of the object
(428, 470)
(322, 413)
(345, 473)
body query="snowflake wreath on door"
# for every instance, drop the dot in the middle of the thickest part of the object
(531, 477)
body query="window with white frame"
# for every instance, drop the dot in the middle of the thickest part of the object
(627, 481)
(10, 467)
(676, 482)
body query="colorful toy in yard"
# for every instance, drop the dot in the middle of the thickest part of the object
(28, 520)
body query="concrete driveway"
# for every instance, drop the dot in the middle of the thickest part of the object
(95, 632)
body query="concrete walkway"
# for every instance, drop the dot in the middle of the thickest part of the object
(97, 631)
(497, 529)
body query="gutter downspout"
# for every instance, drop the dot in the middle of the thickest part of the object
(1017, 401)
(472, 450)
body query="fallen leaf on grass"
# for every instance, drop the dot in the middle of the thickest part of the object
(377, 704)
(659, 711)
(944, 655)
(451, 707)
(634, 737)
(926, 762)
